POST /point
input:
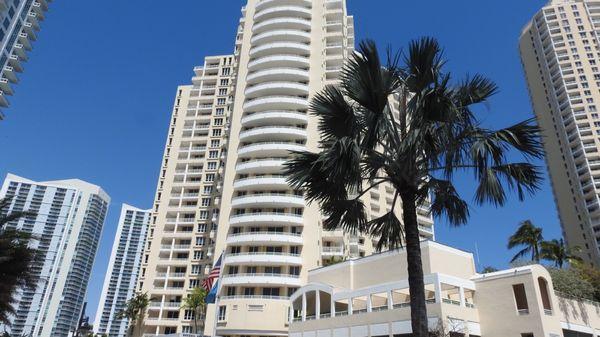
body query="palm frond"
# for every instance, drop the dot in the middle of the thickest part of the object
(446, 202)
(388, 229)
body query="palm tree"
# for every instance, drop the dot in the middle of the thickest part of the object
(529, 236)
(410, 128)
(196, 302)
(557, 252)
(134, 312)
(15, 259)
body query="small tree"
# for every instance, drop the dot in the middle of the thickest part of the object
(15, 259)
(570, 282)
(530, 238)
(557, 252)
(591, 275)
(196, 302)
(134, 312)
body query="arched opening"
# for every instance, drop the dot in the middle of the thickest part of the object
(545, 295)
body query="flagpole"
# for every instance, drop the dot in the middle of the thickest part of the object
(217, 296)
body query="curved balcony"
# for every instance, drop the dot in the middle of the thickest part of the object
(275, 102)
(274, 118)
(278, 61)
(261, 182)
(264, 238)
(280, 35)
(276, 87)
(261, 279)
(280, 48)
(282, 11)
(260, 166)
(263, 258)
(269, 148)
(281, 23)
(268, 200)
(266, 218)
(278, 74)
(262, 4)
(273, 133)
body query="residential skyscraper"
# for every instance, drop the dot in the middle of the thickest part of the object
(20, 20)
(67, 227)
(121, 277)
(561, 57)
(285, 52)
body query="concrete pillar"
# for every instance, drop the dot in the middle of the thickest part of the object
(461, 294)
(332, 307)
(291, 313)
(369, 303)
(350, 306)
(303, 307)
(390, 300)
(317, 304)
(438, 291)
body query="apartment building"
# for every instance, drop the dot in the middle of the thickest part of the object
(20, 20)
(561, 57)
(180, 243)
(355, 298)
(258, 98)
(121, 277)
(67, 227)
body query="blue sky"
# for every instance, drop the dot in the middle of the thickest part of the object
(95, 98)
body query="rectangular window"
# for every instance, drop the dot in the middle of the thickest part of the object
(521, 299)
(216, 132)
(212, 165)
(222, 313)
(213, 154)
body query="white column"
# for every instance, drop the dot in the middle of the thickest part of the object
(369, 303)
(461, 294)
(317, 304)
(390, 300)
(303, 307)
(350, 306)
(332, 307)
(438, 290)
(291, 313)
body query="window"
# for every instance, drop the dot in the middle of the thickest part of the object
(196, 269)
(223, 92)
(226, 71)
(270, 292)
(219, 111)
(188, 315)
(198, 255)
(207, 190)
(212, 165)
(545, 296)
(193, 284)
(224, 81)
(210, 177)
(218, 121)
(216, 132)
(222, 313)
(199, 241)
(205, 202)
(221, 101)
(520, 299)
(204, 214)
(215, 143)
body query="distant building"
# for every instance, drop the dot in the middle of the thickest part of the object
(67, 227)
(561, 56)
(19, 22)
(354, 298)
(123, 270)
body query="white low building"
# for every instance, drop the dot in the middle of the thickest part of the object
(370, 297)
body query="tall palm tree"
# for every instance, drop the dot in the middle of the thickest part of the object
(410, 128)
(196, 302)
(15, 259)
(557, 252)
(530, 238)
(134, 312)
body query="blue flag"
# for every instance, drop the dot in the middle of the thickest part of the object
(212, 295)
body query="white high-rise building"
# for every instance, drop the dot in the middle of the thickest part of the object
(67, 227)
(19, 22)
(561, 57)
(254, 106)
(123, 270)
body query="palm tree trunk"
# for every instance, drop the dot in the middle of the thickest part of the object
(416, 285)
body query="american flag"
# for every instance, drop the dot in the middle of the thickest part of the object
(208, 282)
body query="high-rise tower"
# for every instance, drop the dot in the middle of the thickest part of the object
(20, 20)
(121, 278)
(561, 57)
(67, 226)
(285, 52)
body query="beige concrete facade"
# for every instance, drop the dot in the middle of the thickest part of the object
(285, 52)
(181, 237)
(356, 299)
(561, 57)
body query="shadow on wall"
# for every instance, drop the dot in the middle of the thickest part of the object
(578, 311)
